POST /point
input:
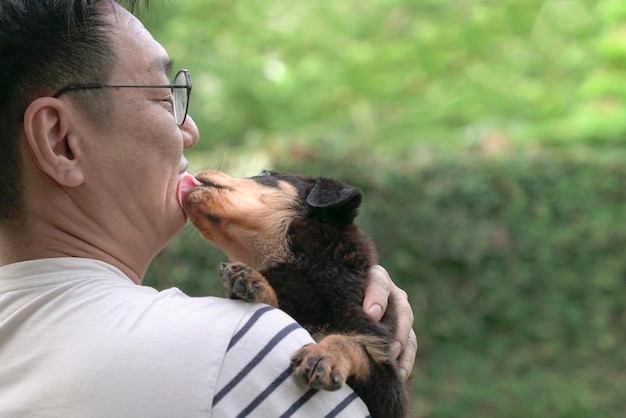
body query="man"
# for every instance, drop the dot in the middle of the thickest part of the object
(92, 135)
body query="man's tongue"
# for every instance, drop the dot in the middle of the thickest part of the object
(186, 183)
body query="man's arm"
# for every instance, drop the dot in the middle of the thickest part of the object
(256, 377)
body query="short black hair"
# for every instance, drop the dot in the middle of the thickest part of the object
(45, 45)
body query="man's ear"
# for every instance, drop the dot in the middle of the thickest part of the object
(48, 130)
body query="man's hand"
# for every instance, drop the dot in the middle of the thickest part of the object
(377, 295)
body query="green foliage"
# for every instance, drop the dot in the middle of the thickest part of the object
(387, 74)
(599, 113)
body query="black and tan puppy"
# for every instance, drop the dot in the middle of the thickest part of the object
(294, 244)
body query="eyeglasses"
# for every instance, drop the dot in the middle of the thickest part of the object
(181, 90)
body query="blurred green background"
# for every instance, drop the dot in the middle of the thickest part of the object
(488, 138)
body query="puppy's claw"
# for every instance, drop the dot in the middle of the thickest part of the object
(240, 287)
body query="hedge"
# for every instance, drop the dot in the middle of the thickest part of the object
(515, 269)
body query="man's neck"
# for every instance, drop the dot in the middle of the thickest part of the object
(40, 241)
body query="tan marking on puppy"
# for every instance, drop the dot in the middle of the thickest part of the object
(244, 219)
(376, 347)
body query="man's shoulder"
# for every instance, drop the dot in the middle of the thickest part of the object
(250, 328)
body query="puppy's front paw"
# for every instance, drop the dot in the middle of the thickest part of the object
(319, 368)
(238, 281)
(243, 282)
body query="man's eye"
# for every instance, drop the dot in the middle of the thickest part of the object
(170, 103)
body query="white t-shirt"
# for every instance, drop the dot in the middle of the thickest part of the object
(79, 339)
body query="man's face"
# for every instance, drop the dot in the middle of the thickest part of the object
(135, 158)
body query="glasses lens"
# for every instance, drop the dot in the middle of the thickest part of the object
(180, 98)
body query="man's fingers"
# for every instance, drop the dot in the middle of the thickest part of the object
(405, 315)
(405, 347)
(406, 361)
(377, 293)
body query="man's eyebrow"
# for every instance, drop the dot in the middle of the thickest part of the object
(169, 64)
(164, 65)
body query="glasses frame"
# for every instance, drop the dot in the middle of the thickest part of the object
(91, 86)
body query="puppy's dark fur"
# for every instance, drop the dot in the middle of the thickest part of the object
(294, 244)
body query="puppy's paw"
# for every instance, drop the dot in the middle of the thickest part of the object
(239, 281)
(329, 363)
(243, 282)
(319, 367)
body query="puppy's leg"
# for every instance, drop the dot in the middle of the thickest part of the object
(243, 282)
(329, 363)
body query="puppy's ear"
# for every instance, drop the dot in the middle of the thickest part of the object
(332, 200)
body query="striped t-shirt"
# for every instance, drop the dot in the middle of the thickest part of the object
(79, 339)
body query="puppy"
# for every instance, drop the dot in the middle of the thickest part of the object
(294, 245)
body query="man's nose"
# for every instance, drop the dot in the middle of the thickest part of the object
(190, 132)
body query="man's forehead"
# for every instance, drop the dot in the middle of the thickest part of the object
(132, 40)
(124, 21)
